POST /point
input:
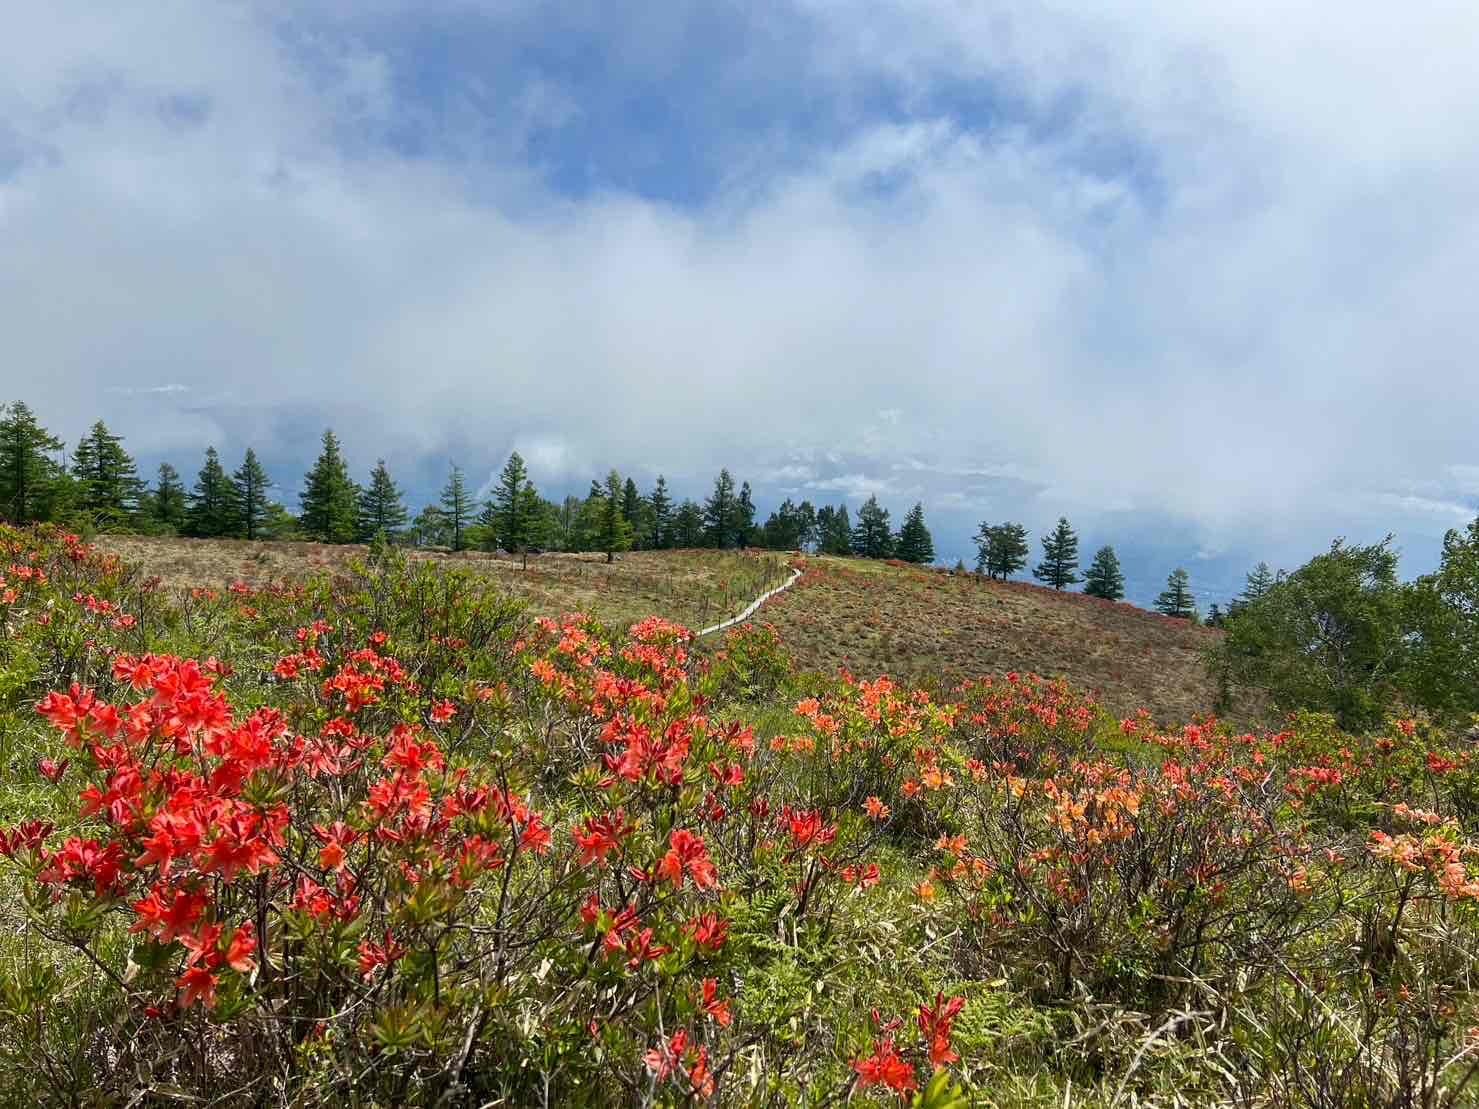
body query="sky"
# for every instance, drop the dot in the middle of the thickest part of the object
(1199, 277)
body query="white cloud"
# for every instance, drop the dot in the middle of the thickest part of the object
(1214, 263)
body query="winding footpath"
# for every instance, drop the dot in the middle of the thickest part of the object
(755, 604)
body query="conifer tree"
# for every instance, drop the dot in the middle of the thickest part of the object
(688, 526)
(249, 502)
(566, 524)
(914, 543)
(536, 515)
(1001, 549)
(1103, 578)
(788, 527)
(1059, 556)
(660, 511)
(720, 511)
(631, 508)
(456, 506)
(167, 502)
(744, 517)
(507, 510)
(108, 482)
(871, 537)
(1176, 599)
(616, 533)
(1260, 580)
(210, 510)
(429, 528)
(329, 500)
(381, 510)
(27, 475)
(834, 530)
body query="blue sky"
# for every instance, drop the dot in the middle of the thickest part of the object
(1198, 278)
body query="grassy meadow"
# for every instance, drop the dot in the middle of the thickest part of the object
(388, 830)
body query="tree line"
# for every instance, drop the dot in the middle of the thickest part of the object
(101, 486)
(1002, 550)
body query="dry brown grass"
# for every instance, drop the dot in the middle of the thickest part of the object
(920, 623)
(695, 588)
(872, 617)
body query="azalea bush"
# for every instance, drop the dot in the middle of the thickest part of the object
(386, 838)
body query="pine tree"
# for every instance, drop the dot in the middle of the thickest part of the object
(108, 482)
(381, 510)
(914, 543)
(834, 530)
(1103, 577)
(660, 511)
(1001, 549)
(1059, 556)
(870, 536)
(329, 501)
(167, 502)
(1260, 580)
(430, 528)
(688, 526)
(249, 504)
(806, 526)
(211, 507)
(786, 527)
(456, 507)
(1176, 599)
(616, 533)
(506, 509)
(744, 517)
(536, 515)
(631, 509)
(720, 511)
(567, 524)
(27, 475)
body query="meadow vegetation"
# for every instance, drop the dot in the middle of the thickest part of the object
(382, 837)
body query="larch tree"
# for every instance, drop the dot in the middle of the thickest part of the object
(508, 508)
(914, 543)
(250, 509)
(744, 517)
(329, 502)
(167, 501)
(871, 537)
(688, 526)
(210, 510)
(1176, 599)
(720, 511)
(834, 530)
(1001, 549)
(660, 512)
(616, 533)
(1103, 578)
(456, 506)
(632, 507)
(381, 509)
(28, 475)
(1260, 580)
(107, 479)
(1059, 563)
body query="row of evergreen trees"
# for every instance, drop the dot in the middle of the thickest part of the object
(102, 485)
(1002, 550)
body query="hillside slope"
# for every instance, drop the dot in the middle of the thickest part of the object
(696, 588)
(919, 624)
(872, 617)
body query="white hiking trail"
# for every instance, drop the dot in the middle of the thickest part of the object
(755, 604)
